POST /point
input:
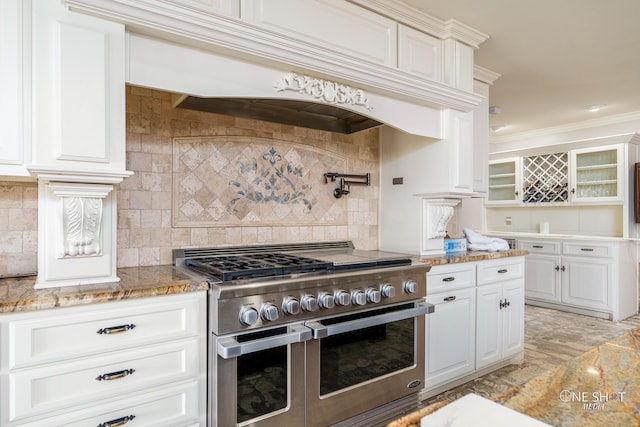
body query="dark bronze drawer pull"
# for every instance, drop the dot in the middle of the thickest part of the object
(115, 375)
(587, 249)
(116, 329)
(448, 279)
(117, 423)
(449, 299)
(503, 270)
(537, 246)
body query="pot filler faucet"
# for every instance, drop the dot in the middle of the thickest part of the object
(343, 190)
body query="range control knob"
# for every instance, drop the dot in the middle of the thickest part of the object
(342, 297)
(325, 300)
(248, 316)
(309, 303)
(291, 305)
(373, 295)
(358, 297)
(387, 290)
(409, 286)
(269, 312)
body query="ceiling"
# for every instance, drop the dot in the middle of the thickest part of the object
(555, 57)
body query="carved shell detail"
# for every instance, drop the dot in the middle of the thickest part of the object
(81, 217)
(323, 90)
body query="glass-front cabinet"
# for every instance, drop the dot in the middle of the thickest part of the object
(504, 181)
(597, 174)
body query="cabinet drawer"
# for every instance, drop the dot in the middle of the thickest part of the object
(442, 278)
(53, 387)
(166, 407)
(540, 246)
(500, 270)
(56, 335)
(590, 249)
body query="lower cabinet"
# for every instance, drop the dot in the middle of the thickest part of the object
(478, 322)
(596, 278)
(106, 364)
(500, 322)
(450, 336)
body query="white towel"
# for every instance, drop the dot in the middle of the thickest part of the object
(478, 242)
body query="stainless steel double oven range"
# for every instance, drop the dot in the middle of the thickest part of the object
(312, 334)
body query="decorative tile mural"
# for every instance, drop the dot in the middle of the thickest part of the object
(240, 180)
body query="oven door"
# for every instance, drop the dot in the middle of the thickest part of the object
(357, 362)
(257, 378)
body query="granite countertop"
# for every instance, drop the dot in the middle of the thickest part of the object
(598, 388)
(18, 294)
(469, 256)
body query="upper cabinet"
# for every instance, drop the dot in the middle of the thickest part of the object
(78, 90)
(504, 181)
(62, 75)
(597, 174)
(591, 175)
(15, 151)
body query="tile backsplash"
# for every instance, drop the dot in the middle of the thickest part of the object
(18, 228)
(194, 172)
(157, 209)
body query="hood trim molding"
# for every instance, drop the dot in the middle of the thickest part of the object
(229, 36)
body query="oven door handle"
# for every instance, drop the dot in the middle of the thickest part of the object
(322, 331)
(229, 347)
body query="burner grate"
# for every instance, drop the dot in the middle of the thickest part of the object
(237, 267)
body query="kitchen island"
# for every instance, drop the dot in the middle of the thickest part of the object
(597, 388)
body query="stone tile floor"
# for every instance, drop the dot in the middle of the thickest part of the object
(551, 338)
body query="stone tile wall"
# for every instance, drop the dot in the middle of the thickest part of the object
(146, 230)
(18, 228)
(146, 235)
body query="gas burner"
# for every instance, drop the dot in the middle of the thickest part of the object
(237, 267)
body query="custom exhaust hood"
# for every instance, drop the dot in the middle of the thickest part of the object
(297, 113)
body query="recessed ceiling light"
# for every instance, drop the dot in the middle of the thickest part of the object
(595, 108)
(498, 128)
(495, 110)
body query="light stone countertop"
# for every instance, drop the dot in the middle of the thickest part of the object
(596, 389)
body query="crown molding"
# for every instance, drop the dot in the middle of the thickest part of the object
(569, 127)
(485, 75)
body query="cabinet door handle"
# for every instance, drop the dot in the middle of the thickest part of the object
(115, 375)
(586, 249)
(537, 246)
(448, 279)
(503, 270)
(504, 304)
(562, 268)
(118, 422)
(557, 268)
(449, 299)
(116, 329)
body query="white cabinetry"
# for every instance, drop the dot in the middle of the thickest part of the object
(500, 310)
(14, 85)
(419, 53)
(78, 91)
(588, 277)
(329, 23)
(451, 327)
(504, 181)
(597, 174)
(478, 322)
(142, 359)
